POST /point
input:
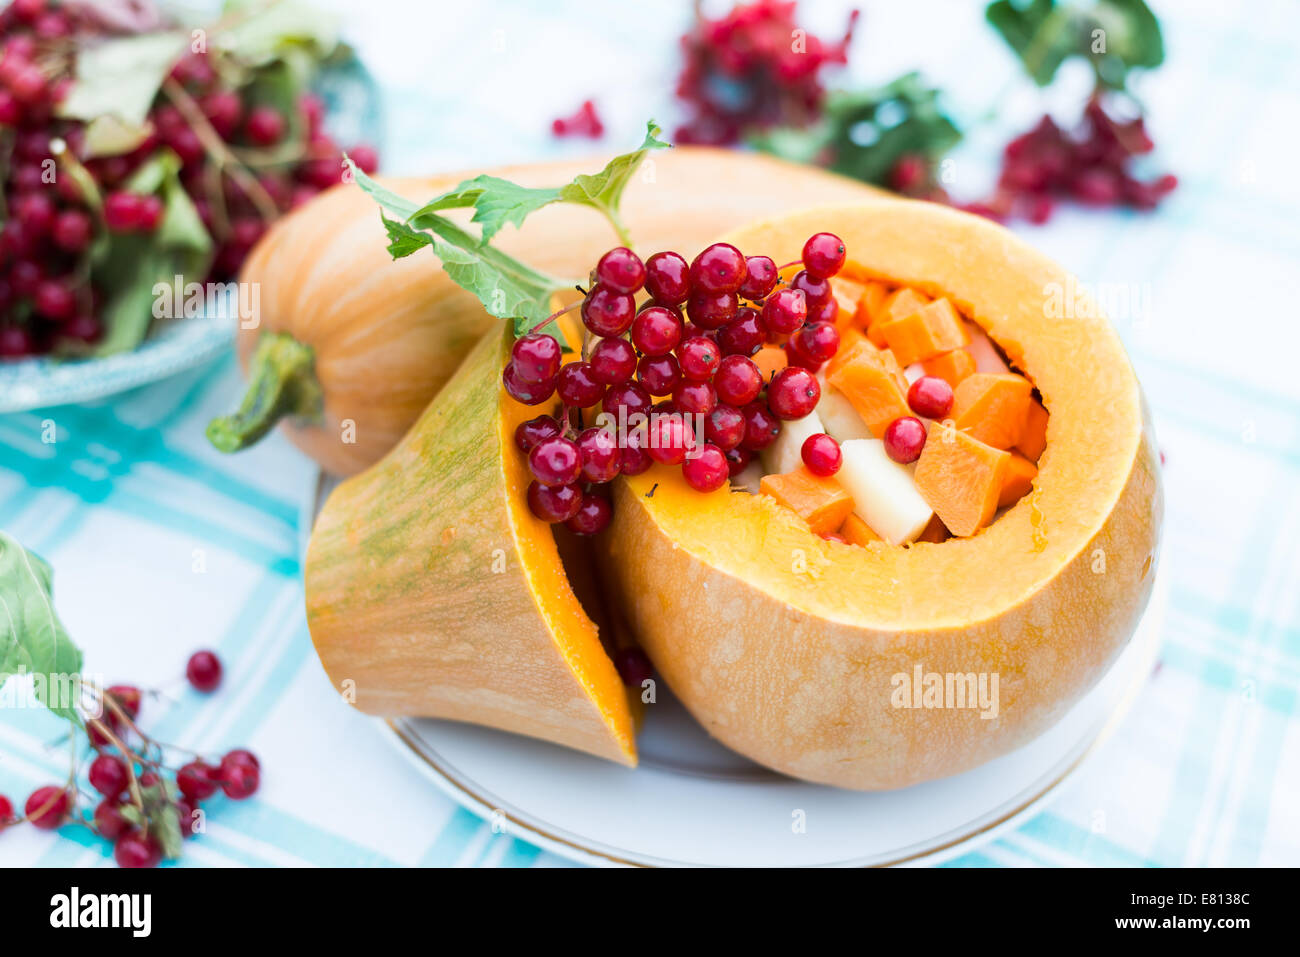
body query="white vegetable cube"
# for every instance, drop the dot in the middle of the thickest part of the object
(749, 477)
(841, 420)
(884, 495)
(786, 453)
(983, 351)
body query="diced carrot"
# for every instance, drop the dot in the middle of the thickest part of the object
(846, 293)
(1033, 438)
(873, 381)
(934, 328)
(935, 531)
(951, 366)
(770, 360)
(897, 305)
(851, 340)
(1018, 481)
(869, 303)
(857, 531)
(992, 407)
(821, 502)
(960, 478)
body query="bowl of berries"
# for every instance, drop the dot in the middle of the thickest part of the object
(141, 158)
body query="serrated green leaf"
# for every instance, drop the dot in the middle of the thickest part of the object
(121, 76)
(31, 635)
(164, 819)
(604, 190)
(402, 239)
(495, 202)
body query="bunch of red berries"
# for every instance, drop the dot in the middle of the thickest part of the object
(753, 69)
(698, 367)
(268, 163)
(135, 788)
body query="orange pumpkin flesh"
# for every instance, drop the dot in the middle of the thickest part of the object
(783, 645)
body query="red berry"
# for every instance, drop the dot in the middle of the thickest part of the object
(365, 157)
(823, 255)
(738, 380)
(265, 126)
(795, 355)
(555, 461)
(95, 729)
(198, 781)
(35, 211)
(719, 268)
(613, 361)
(11, 111)
(633, 666)
(706, 470)
(699, 357)
(698, 398)
(725, 427)
(47, 807)
(123, 211)
(223, 108)
(744, 335)
(635, 459)
(55, 300)
(930, 396)
(627, 396)
(656, 331)
(904, 439)
(738, 460)
(26, 277)
(600, 455)
(72, 230)
(529, 393)
(760, 278)
(659, 374)
(785, 311)
(528, 434)
(793, 393)
(712, 310)
(109, 820)
(127, 698)
(536, 357)
(554, 503)
(667, 278)
(827, 311)
(621, 269)
(818, 340)
(108, 775)
(6, 812)
(137, 849)
(578, 386)
(593, 515)
(240, 756)
(151, 214)
(670, 440)
(821, 454)
(185, 811)
(204, 671)
(761, 426)
(607, 312)
(815, 289)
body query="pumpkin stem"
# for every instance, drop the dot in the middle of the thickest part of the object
(281, 382)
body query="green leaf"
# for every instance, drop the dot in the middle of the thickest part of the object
(121, 76)
(1038, 32)
(164, 819)
(261, 32)
(402, 239)
(31, 635)
(604, 190)
(495, 202)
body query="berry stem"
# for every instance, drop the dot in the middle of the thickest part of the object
(281, 383)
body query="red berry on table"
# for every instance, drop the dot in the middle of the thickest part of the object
(6, 812)
(816, 290)
(818, 340)
(592, 517)
(47, 807)
(699, 357)
(204, 671)
(137, 849)
(697, 398)
(821, 454)
(109, 821)
(823, 255)
(738, 380)
(904, 438)
(670, 440)
(793, 393)
(760, 278)
(578, 386)
(536, 357)
(719, 268)
(550, 503)
(667, 278)
(930, 396)
(707, 469)
(555, 461)
(659, 375)
(657, 330)
(785, 311)
(761, 426)
(529, 393)
(725, 427)
(613, 361)
(198, 780)
(240, 756)
(607, 312)
(264, 126)
(528, 434)
(127, 697)
(712, 310)
(600, 455)
(72, 230)
(108, 775)
(621, 269)
(743, 335)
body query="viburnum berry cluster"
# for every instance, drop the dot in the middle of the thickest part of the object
(673, 375)
(243, 163)
(752, 69)
(136, 794)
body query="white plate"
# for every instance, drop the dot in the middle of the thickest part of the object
(694, 803)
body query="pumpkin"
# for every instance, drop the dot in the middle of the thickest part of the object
(792, 649)
(350, 346)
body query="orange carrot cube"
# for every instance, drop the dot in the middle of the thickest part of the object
(870, 303)
(1018, 481)
(821, 502)
(992, 407)
(951, 366)
(873, 381)
(846, 293)
(851, 340)
(857, 532)
(934, 328)
(1033, 438)
(961, 478)
(897, 305)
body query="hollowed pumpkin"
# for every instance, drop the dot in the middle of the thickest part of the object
(786, 646)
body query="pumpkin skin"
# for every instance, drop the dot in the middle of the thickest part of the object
(785, 646)
(387, 335)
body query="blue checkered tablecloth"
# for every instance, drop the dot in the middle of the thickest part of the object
(161, 546)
